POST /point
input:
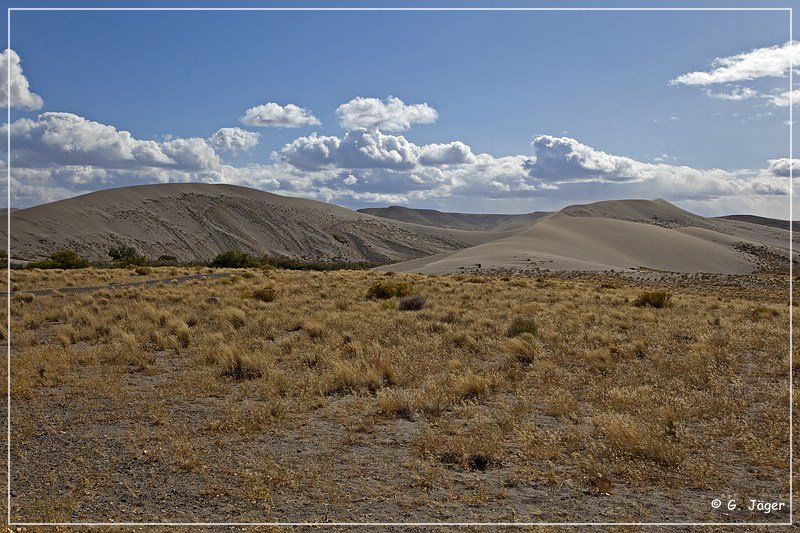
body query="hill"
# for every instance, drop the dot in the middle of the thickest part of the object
(763, 221)
(622, 235)
(193, 221)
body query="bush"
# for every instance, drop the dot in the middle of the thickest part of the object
(234, 259)
(415, 302)
(143, 270)
(521, 325)
(66, 259)
(386, 289)
(126, 255)
(657, 299)
(265, 294)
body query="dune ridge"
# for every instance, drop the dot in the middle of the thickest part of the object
(193, 221)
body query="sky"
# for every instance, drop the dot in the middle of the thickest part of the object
(472, 111)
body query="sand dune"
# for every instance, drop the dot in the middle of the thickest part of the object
(621, 235)
(196, 221)
(464, 221)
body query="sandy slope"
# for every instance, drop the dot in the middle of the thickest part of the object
(196, 221)
(619, 235)
(465, 221)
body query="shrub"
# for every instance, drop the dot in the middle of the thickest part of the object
(126, 255)
(234, 259)
(657, 299)
(265, 294)
(521, 325)
(414, 302)
(66, 259)
(386, 289)
(142, 270)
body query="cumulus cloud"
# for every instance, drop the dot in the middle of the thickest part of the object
(771, 61)
(564, 161)
(278, 116)
(21, 95)
(390, 115)
(62, 154)
(68, 140)
(364, 148)
(234, 140)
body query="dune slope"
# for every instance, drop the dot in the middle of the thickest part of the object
(620, 235)
(197, 221)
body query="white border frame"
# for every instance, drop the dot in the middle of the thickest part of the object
(789, 10)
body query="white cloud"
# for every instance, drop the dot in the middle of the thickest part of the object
(565, 162)
(363, 148)
(234, 140)
(68, 140)
(275, 115)
(389, 115)
(782, 99)
(61, 154)
(21, 95)
(736, 94)
(771, 61)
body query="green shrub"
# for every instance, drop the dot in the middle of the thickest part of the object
(234, 259)
(521, 325)
(386, 289)
(657, 299)
(265, 294)
(126, 255)
(414, 302)
(66, 259)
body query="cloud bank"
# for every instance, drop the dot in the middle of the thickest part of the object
(57, 155)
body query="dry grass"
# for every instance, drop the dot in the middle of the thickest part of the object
(324, 403)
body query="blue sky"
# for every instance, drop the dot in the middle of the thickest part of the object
(494, 80)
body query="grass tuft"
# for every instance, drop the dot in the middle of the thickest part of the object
(657, 299)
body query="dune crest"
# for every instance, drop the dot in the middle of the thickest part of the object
(621, 235)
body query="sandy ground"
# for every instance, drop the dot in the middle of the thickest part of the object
(621, 236)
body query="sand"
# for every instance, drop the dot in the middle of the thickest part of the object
(623, 235)
(196, 221)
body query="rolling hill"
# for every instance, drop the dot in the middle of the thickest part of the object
(621, 235)
(194, 221)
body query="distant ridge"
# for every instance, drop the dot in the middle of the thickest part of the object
(462, 221)
(763, 221)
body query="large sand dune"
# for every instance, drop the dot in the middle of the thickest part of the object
(620, 235)
(196, 221)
